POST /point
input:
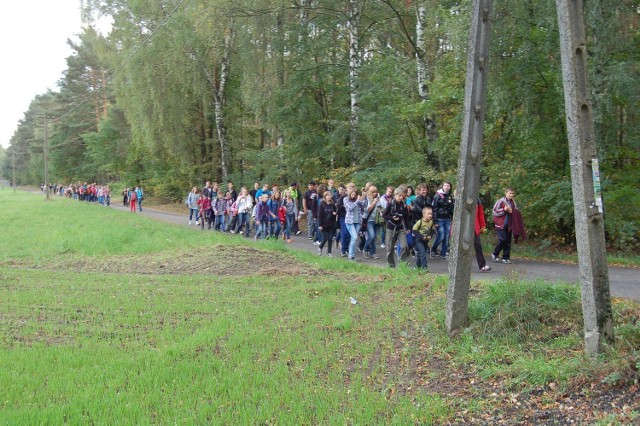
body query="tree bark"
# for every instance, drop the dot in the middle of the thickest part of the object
(429, 123)
(218, 84)
(353, 24)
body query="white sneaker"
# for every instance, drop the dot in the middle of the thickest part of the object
(319, 251)
(383, 246)
(317, 243)
(190, 223)
(197, 222)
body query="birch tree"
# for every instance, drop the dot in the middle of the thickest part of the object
(423, 71)
(353, 26)
(218, 76)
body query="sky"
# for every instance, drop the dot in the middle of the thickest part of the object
(33, 37)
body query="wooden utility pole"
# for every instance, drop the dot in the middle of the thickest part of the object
(469, 167)
(594, 274)
(13, 166)
(46, 158)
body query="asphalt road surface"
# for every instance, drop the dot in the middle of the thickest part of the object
(624, 281)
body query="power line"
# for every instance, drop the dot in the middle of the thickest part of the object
(102, 86)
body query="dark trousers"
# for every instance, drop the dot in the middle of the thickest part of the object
(233, 223)
(479, 255)
(327, 238)
(504, 244)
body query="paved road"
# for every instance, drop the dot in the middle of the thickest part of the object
(624, 282)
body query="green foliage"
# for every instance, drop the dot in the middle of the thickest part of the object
(286, 104)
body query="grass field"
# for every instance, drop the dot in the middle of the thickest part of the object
(113, 318)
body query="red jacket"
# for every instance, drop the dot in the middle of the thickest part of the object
(480, 222)
(282, 214)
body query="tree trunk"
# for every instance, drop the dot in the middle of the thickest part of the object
(105, 100)
(429, 123)
(354, 67)
(281, 68)
(218, 84)
(304, 21)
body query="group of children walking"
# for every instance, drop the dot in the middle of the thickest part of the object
(409, 224)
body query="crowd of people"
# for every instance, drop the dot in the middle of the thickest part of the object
(82, 191)
(94, 193)
(408, 224)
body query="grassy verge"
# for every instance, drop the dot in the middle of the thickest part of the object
(113, 318)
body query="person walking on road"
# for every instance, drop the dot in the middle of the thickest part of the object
(503, 218)
(480, 228)
(140, 195)
(192, 204)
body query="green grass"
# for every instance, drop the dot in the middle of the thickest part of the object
(112, 346)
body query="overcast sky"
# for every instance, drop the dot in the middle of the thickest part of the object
(33, 34)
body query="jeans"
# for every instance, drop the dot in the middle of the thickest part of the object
(140, 204)
(219, 224)
(372, 230)
(345, 236)
(353, 229)
(191, 214)
(444, 229)
(319, 235)
(291, 220)
(274, 227)
(261, 229)
(243, 220)
(421, 257)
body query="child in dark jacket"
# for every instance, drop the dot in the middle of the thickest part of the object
(327, 220)
(396, 216)
(274, 204)
(262, 217)
(220, 212)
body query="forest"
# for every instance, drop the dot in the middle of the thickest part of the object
(182, 91)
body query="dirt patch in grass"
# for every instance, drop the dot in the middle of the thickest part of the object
(219, 260)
